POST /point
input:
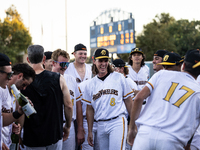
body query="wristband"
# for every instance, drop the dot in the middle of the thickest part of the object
(16, 114)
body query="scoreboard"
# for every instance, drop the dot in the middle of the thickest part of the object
(117, 36)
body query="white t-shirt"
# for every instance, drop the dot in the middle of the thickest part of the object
(71, 70)
(107, 97)
(141, 77)
(74, 92)
(173, 105)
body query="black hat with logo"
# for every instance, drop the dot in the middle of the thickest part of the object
(101, 53)
(171, 59)
(136, 50)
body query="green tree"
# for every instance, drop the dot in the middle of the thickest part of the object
(164, 32)
(155, 36)
(14, 36)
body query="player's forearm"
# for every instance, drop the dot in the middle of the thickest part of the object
(128, 102)
(68, 115)
(79, 115)
(90, 117)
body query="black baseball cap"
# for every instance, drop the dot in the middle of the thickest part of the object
(48, 55)
(4, 60)
(193, 56)
(79, 47)
(136, 50)
(171, 59)
(119, 63)
(160, 52)
(101, 53)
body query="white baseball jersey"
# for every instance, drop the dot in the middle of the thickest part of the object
(82, 86)
(71, 70)
(198, 79)
(74, 92)
(106, 97)
(174, 104)
(132, 85)
(7, 108)
(141, 77)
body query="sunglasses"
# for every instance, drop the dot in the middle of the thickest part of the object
(9, 74)
(63, 64)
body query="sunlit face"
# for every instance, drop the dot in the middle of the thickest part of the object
(102, 65)
(80, 56)
(57, 67)
(4, 77)
(136, 58)
(48, 64)
(23, 83)
(156, 60)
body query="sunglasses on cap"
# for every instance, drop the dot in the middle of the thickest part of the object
(63, 64)
(9, 74)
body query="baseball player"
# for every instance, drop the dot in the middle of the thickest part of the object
(171, 61)
(60, 62)
(157, 58)
(85, 145)
(173, 95)
(79, 69)
(105, 95)
(138, 71)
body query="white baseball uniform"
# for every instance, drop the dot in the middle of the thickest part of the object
(71, 70)
(85, 145)
(75, 96)
(166, 121)
(7, 107)
(106, 98)
(141, 77)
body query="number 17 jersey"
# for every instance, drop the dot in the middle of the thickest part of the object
(174, 104)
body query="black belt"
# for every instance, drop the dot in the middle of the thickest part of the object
(94, 119)
(108, 119)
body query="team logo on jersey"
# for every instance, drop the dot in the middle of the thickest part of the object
(104, 92)
(103, 52)
(166, 58)
(71, 93)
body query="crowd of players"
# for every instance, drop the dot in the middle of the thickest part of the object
(106, 106)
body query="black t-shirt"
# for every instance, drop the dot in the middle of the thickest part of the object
(46, 126)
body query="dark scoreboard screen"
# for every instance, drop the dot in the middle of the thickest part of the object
(115, 36)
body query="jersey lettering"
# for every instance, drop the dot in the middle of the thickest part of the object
(104, 92)
(112, 102)
(183, 98)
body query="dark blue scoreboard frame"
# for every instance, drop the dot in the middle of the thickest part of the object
(117, 36)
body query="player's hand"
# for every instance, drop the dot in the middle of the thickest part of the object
(131, 137)
(16, 128)
(20, 143)
(80, 136)
(66, 133)
(90, 139)
(4, 147)
(187, 147)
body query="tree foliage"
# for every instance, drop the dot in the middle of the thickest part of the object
(164, 32)
(14, 36)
